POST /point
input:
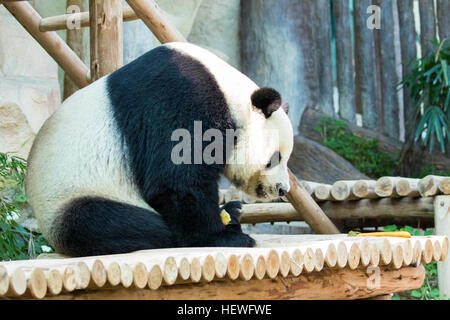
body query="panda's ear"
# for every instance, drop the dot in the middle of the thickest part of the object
(268, 100)
(285, 107)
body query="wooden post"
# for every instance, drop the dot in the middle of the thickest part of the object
(389, 77)
(442, 225)
(443, 13)
(106, 21)
(365, 65)
(427, 25)
(321, 28)
(156, 20)
(76, 39)
(308, 208)
(344, 59)
(50, 41)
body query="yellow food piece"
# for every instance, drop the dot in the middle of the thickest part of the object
(225, 216)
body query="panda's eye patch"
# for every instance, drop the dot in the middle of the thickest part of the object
(275, 160)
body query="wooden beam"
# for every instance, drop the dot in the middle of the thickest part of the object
(156, 20)
(385, 208)
(308, 208)
(50, 41)
(60, 22)
(334, 284)
(105, 37)
(443, 13)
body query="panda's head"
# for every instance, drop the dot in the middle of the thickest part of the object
(258, 163)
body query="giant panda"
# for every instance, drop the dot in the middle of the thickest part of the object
(101, 173)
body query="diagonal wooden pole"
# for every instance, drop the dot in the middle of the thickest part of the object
(308, 208)
(50, 41)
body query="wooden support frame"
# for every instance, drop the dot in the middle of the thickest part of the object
(156, 20)
(60, 22)
(50, 41)
(105, 18)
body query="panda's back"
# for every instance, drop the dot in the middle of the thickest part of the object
(78, 153)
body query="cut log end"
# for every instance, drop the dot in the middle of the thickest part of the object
(140, 276)
(170, 272)
(184, 269)
(285, 264)
(196, 270)
(208, 268)
(126, 275)
(54, 281)
(220, 265)
(113, 273)
(272, 264)
(296, 262)
(247, 267)
(233, 267)
(260, 267)
(98, 273)
(37, 283)
(155, 277)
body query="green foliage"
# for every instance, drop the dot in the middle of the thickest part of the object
(430, 288)
(15, 241)
(363, 154)
(430, 91)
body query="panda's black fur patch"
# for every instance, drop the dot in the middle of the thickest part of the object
(96, 226)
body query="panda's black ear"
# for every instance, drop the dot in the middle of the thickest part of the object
(268, 100)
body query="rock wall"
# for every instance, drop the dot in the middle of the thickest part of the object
(29, 89)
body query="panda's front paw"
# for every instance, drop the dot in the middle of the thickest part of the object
(233, 208)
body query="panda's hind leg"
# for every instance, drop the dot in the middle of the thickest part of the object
(96, 226)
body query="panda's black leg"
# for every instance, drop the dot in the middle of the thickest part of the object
(194, 220)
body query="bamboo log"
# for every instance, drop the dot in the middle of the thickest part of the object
(260, 267)
(156, 20)
(343, 190)
(247, 267)
(429, 185)
(37, 283)
(184, 268)
(140, 276)
(17, 283)
(113, 273)
(386, 187)
(323, 192)
(60, 22)
(363, 209)
(54, 281)
(309, 209)
(365, 189)
(444, 185)
(407, 187)
(155, 277)
(126, 275)
(296, 262)
(50, 41)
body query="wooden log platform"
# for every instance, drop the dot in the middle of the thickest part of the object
(279, 267)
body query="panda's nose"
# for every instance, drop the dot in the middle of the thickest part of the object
(282, 192)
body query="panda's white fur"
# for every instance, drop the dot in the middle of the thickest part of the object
(77, 152)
